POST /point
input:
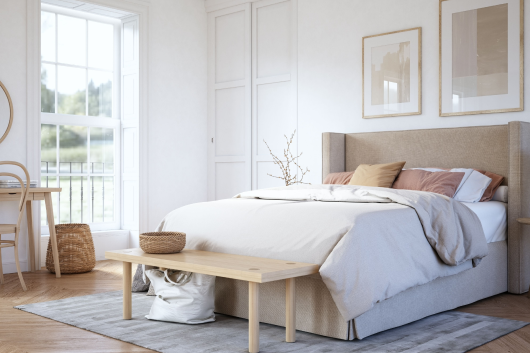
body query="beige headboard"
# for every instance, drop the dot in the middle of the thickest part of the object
(501, 149)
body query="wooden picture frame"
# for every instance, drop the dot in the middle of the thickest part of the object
(391, 74)
(483, 72)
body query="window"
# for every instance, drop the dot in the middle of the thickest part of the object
(80, 118)
(391, 92)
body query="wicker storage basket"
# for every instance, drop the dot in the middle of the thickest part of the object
(162, 242)
(76, 249)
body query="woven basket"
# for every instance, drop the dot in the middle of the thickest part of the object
(76, 249)
(162, 242)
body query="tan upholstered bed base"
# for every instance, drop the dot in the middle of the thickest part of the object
(316, 312)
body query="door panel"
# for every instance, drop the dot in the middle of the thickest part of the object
(230, 122)
(274, 87)
(229, 101)
(229, 179)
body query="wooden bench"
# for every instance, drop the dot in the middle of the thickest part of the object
(255, 270)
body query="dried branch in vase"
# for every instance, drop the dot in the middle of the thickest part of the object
(286, 165)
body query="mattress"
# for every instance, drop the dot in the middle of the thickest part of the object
(492, 216)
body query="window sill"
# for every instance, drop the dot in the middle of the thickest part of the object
(103, 233)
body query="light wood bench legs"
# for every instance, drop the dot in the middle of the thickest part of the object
(253, 308)
(290, 310)
(253, 314)
(127, 290)
(253, 317)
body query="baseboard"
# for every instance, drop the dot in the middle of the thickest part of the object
(103, 241)
(11, 266)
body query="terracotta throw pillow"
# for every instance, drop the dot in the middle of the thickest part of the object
(342, 178)
(381, 175)
(496, 181)
(444, 183)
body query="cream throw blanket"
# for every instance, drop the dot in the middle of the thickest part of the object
(372, 243)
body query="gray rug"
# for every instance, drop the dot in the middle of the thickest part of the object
(451, 331)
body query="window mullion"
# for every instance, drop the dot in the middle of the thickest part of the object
(86, 66)
(57, 173)
(89, 179)
(56, 67)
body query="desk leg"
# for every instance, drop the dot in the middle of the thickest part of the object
(53, 236)
(290, 310)
(253, 317)
(31, 237)
(127, 290)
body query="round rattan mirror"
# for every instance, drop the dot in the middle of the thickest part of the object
(6, 112)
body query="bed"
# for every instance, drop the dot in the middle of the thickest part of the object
(500, 149)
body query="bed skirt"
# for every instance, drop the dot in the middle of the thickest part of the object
(317, 313)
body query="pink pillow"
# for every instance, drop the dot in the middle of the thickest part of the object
(444, 183)
(342, 178)
(496, 181)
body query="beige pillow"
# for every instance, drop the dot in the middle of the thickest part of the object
(381, 175)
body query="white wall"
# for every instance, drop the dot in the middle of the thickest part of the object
(177, 105)
(329, 70)
(177, 102)
(13, 76)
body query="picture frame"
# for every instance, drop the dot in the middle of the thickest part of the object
(391, 74)
(481, 57)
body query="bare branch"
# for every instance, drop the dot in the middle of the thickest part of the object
(285, 165)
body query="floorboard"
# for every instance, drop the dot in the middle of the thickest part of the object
(22, 332)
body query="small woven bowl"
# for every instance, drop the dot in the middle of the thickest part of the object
(162, 242)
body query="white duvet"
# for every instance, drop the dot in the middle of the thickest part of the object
(371, 243)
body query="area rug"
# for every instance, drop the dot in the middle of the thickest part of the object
(451, 331)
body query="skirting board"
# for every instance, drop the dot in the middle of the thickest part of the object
(103, 241)
(11, 267)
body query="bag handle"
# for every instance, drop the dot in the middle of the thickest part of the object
(182, 278)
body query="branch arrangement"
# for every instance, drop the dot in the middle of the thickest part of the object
(285, 165)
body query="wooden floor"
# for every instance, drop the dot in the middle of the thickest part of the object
(23, 332)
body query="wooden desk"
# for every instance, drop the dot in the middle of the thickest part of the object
(255, 270)
(36, 194)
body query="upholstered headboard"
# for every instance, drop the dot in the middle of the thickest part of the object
(501, 149)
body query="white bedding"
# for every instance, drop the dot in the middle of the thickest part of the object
(372, 244)
(492, 216)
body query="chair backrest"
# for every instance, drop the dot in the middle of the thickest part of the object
(25, 188)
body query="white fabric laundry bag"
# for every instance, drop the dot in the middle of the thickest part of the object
(183, 297)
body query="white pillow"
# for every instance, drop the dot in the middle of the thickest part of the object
(467, 172)
(473, 188)
(501, 194)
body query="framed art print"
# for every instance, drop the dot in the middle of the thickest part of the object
(392, 74)
(481, 56)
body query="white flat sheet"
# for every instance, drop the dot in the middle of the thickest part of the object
(492, 216)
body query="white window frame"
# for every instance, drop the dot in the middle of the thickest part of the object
(113, 122)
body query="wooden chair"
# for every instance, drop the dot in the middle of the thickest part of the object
(14, 228)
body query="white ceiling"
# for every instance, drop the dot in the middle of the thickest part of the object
(95, 9)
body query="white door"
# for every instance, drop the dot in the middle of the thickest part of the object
(274, 86)
(229, 101)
